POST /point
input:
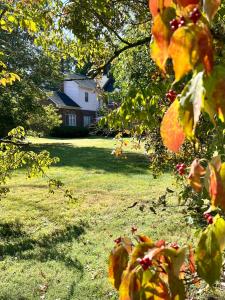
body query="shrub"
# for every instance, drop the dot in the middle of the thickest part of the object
(69, 132)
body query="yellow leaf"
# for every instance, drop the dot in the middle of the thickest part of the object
(183, 50)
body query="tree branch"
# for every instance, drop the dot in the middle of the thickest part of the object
(110, 28)
(93, 73)
(19, 144)
(3, 12)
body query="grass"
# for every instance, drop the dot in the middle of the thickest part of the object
(54, 248)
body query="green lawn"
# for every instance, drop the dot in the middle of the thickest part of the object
(55, 248)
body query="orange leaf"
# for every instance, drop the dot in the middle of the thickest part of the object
(130, 286)
(171, 131)
(157, 6)
(161, 32)
(217, 185)
(191, 260)
(183, 50)
(143, 239)
(156, 289)
(196, 172)
(187, 2)
(205, 47)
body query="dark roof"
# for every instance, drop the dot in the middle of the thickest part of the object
(62, 100)
(109, 85)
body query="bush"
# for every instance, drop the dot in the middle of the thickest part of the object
(69, 132)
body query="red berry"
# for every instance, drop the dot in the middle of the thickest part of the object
(210, 220)
(181, 169)
(174, 24)
(181, 22)
(178, 166)
(195, 15)
(206, 215)
(174, 246)
(145, 262)
(171, 95)
(118, 240)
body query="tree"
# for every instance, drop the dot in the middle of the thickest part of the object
(104, 31)
(148, 270)
(31, 48)
(23, 102)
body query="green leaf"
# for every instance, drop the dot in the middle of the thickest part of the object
(191, 101)
(208, 256)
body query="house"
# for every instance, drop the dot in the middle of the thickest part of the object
(77, 100)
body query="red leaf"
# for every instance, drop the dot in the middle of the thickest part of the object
(171, 131)
(216, 182)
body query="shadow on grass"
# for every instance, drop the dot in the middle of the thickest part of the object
(96, 158)
(42, 249)
(11, 230)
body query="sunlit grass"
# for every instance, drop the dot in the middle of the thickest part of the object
(58, 248)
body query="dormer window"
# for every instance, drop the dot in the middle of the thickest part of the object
(86, 96)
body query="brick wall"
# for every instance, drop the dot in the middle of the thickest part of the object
(79, 115)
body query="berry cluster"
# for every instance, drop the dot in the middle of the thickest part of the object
(171, 95)
(208, 218)
(195, 15)
(145, 262)
(181, 168)
(177, 23)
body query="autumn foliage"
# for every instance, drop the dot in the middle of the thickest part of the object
(144, 269)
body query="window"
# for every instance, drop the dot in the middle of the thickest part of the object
(71, 120)
(87, 120)
(86, 96)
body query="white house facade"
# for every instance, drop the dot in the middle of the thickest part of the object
(77, 100)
